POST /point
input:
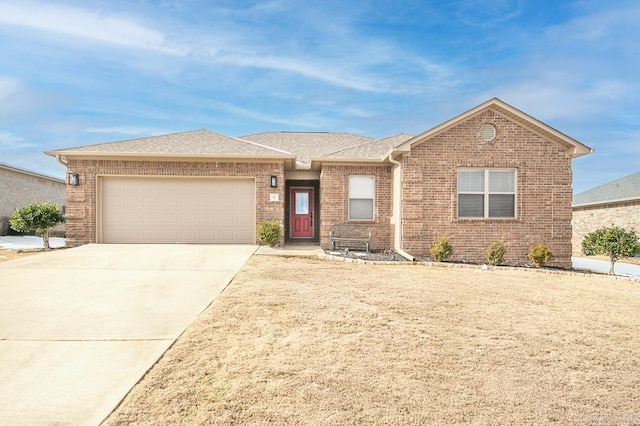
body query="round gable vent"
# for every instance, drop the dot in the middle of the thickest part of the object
(487, 132)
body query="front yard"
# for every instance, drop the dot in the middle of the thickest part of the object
(301, 341)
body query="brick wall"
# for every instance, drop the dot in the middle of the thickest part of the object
(334, 201)
(21, 189)
(590, 218)
(543, 198)
(81, 199)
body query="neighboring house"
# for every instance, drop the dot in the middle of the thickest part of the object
(20, 187)
(492, 172)
(614, 203)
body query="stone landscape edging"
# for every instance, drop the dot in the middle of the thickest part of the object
(575, 272)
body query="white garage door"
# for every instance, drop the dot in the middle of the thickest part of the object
(174, 210)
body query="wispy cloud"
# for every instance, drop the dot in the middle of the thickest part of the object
(10, 141)
(481, 13)
(83, 23)
(552, 97)
(18, 100)
(8, 87)
(573, 71)
(127, 130)
(601, 29)
(354, 63)
(305, 121)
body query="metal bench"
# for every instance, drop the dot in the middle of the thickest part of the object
(350, 236)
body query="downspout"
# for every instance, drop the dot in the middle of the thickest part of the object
(397, 210)
(60, 159)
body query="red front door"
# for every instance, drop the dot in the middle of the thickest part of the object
(301, 202)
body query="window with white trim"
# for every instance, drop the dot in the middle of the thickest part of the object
(487, 193)
(362, 191)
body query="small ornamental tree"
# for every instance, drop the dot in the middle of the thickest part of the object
(38, 217)
(614, 241)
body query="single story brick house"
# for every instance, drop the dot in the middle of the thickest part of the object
(20, 187)
(492, 172)
(614, 203)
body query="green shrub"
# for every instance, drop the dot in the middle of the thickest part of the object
(441, 249)
(269, 232)
(495, 253)
(539, 254)
(38, 217)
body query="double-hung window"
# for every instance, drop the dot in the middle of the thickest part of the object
(487, 193)
(361, 197)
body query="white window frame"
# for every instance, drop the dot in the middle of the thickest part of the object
(359, 193)
(487, 193)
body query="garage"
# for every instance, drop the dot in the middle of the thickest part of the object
(176, 210)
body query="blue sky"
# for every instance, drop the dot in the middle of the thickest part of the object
(88, 71)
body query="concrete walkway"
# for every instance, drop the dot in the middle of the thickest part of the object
(304, 251)
(17, 242)
(599, 265)
(79, 327)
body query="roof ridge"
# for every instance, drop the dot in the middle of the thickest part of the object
(138, 139)
(395, 135)
(299, 131)
(281, 151)
(372, 141)
(307, 133)
(352, 147)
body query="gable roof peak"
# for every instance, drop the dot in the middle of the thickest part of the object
(572, 147)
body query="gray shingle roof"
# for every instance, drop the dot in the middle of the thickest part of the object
(30, 172)
(373, 150)
(626, 188)
(197, 142)
(303, 146)
(308, 145)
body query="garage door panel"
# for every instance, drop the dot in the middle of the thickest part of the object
(208, 202)
(150, 203)
(169, 235)
(131, 202)
(226, 219)
(206, 219)
(170, 219)
(188, 235)
(227, 236)
(244, 220)
(189, 203)
(173, 210)
(208, 235)
(152, 235)
(169, 203)
(244, 204)
(154, 219)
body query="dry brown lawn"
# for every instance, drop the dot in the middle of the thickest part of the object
(6, 254)
(311, 342)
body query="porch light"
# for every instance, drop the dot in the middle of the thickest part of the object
(274, 181)
(73, 179)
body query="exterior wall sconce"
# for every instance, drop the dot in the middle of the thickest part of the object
(73, 179)
(274, 181)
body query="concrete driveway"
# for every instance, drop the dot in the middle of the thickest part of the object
(79, 327)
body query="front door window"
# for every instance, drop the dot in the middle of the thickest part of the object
(302, 203)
